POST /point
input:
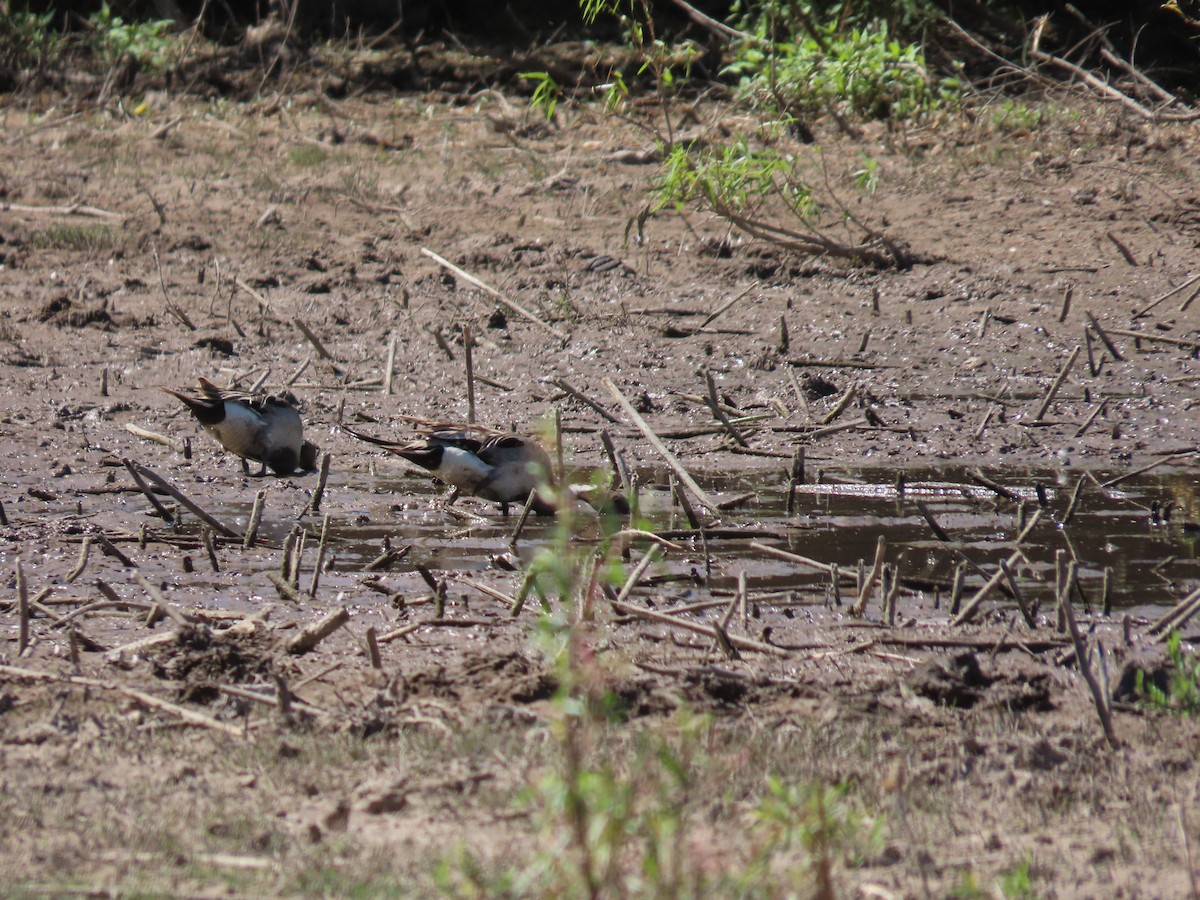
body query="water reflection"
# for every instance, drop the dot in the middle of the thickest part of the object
(1141, 530)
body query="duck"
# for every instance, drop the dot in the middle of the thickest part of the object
(504, 467)
(262, 427)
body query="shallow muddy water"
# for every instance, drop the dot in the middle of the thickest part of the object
(1143, 530)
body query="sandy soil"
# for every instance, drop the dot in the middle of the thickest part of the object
(142, 246)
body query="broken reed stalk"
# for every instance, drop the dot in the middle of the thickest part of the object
(147, 700)
(527, 584)
(1177, 616)
(256, 512)
(840, 407)
(172, 308)
(648, 558)
(311, 635)
(110, 549)
(285, 589)
(390, 366)
(889, 587)
(387, 558)
(1168, 295)
(216, 524)
(740, 642)
(1156, 339)
(827, 568)
(714, 404)
(677, 467)
(206, 537)
(153, 436)
(1057, 384)
(22, 610)
(722, 310)
(1104, 338)
(1099, 410)
(488, 289)
(1069, 512)
(1018, 594)
(85, 547)
(160, 601)
(373, 649)
(621, 473)
(314, 340)
(162, 511)
(583, 398)
(864, 591)
(938, 531)
(1000, 490)
(1099, 696)
(322, 549)
(956, 587)
(523, 517)
(795, 478)
(322, 480)
(1113, 482)
(1066, 302)
(560, 466)
(469, 356)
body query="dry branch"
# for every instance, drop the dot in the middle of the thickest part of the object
(311, 635)
(677, 467)
(488, 289)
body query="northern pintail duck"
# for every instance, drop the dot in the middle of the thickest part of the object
(504, 467)
(262, 427)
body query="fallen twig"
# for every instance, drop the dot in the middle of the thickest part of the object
(488, 289)
(681, 473)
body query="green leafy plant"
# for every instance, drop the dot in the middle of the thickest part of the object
(866, 176)
(819, 820)
(863, 72)
(546, 93)
(74, 237)
(1182, 695)
(1017, 882)
(27, 40)
(763, 194)
(113, 38)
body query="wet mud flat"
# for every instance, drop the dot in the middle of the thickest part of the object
(184, 709)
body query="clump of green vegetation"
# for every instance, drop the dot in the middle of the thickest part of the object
(113, 38)
(308, 155)
(74, 237)
(862, 72)
(1182, 695)
(27, 40)
(546, 93)
(1013, 115)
